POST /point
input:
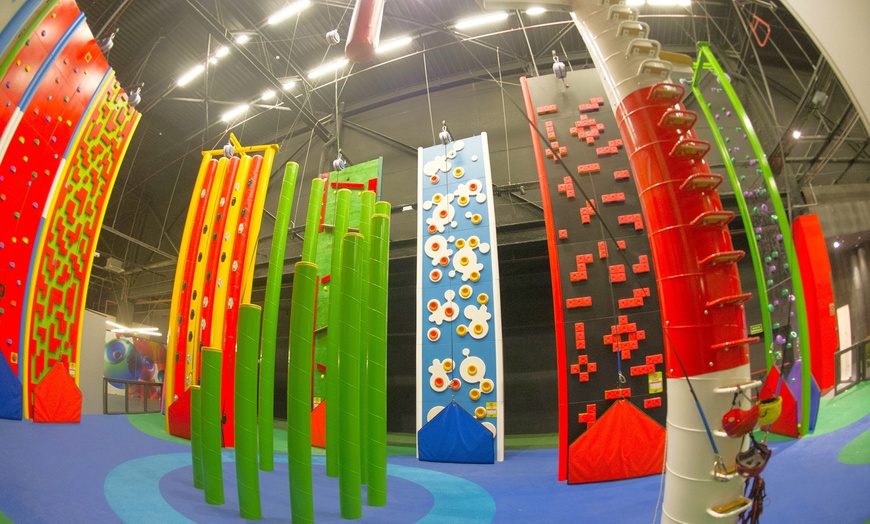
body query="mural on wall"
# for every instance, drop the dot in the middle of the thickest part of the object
(133, 358)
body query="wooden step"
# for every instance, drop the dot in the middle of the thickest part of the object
(701, 182)
(690, 149)
(735, 507)
(729, 300)
(725, 257)
(666, 92)
(678, 119)
(713, 218)
(734, 343)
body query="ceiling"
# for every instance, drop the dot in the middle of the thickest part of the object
(156, 41)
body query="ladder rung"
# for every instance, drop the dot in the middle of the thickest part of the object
(729, 300)
(666, 92)
(701, 182)
(690, 149)
(734, 389)
(730, 509)
(678, 119)
(734, 343)
(725, 257)
(713, 218)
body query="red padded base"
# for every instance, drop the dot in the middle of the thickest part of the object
(318, 426)
(179, 416)
(57, 399)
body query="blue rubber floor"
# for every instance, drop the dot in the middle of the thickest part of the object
(105, 470)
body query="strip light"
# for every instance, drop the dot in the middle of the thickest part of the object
(326, 68)
(536, 11)
(288, 11)
(393, 44)
(194, 72)
(234, 112)
(465, 23)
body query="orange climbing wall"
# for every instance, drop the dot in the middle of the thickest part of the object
(63, 263)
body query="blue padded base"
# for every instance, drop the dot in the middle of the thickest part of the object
(10, 393)
(455, 436)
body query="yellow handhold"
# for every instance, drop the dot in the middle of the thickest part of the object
(474, 276)
(463, 261)
(473, 241)
(465, 291)
(21, 139)
(480, 412)
(476, 218)
(474, 394)
(461, 330)
(27, 68)
(478, 329)
(486, 386)
(472, 370)
(482, 298)
(460, 243)
(447, 365)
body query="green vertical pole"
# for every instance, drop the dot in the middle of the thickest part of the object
(247, 477)
(299, 392)
(333, 395)
(210, 382)
(312, 222)
(382, 208)
(349, 482)
(367, 209)
(270, 316)
(196, 434)
(379, 262)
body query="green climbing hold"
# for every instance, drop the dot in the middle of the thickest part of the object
(770, 307)
(767, 260)
(774, 254)
(788, 346)
(16, 214)
(754, 210)
(36, 141)
(785, 265)
(785, 292)
(776, 325)
(774, 217)
(742, 178)
(727, 139)
(758, 171)
(792, 335)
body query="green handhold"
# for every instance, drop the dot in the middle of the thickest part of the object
(739, 129)
(763, 192)
(769, 282)
(755, 210)
(66, 99)
(774, 217)
(720, 128)
(36, 141)
(777, 354)
(767, 260)
(733, 160)
(785, 292)
(33, 174)
(774, 254)
(757, 236)
(776, 325)
(16, 214)
(709, 104)
(785, 265)
(727, 139)
(742, 178)
(758, 171)
(792, 335)
(770, 307)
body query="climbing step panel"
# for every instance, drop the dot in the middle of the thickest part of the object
(608, 323)
(459, 359)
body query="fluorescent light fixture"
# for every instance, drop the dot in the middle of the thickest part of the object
(329, 66)
(267, 95)
(194, 72)
(837, 244)
(146, 328)
(536, 11)
(234, 112)
(242, 38)
(635, 3)
(213, 60)
(465, 23)
(288, 85)
(288, 11)
(222, 51)
(115, 325)
(796, 134)
(393, 44)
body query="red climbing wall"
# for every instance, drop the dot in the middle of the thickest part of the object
(608, 325)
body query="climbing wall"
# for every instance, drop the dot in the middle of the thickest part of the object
(608, 324)
(62, 266)
(57, 97)
(459, 363)
(214, 276)
(357, 178)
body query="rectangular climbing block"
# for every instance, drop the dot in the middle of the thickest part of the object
(613, 394)
(563, 234)
(642, 370)
(602, 249)
(611, 198)
(654, 359)
(622, 174)
(654, 402)
(545, 110)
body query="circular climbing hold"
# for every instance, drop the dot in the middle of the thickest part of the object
(482, 298)
(443, 213)
(486, 385)
(455, 384)
(478, 329)
(458, 172)
(447, 365)
(432, 305)
(463, 200)
(434, 334)
(435, 275)
(471, 370)
(480, 412)
(473, 242)
(463, 261)
(465, 291)
(461, 330)
(460, 243)
(474, 276)
(474, 394)
(434, 179)
(437, 197)
(432, 229)
(439, 382)
(444, 261)
(476, 218)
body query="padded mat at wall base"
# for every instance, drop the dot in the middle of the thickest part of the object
(455, 436)
(10, 393)
(56, 398)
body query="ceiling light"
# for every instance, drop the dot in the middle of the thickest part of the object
(267, 95)
(222, 51)
(213, 60)
(242, 38)
(325, 68)
(288, 11)
(393, 44)
(287, 85)
(465, 23)
(194, 72)
(796, 134)
(536, 11)
(634, 3)
(669, 3)
(837, 244)
(115, 325)
(234, 112)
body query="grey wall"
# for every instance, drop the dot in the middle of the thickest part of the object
(91, 362)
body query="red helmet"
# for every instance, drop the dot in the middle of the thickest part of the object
(738, 422)
(750, 463)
